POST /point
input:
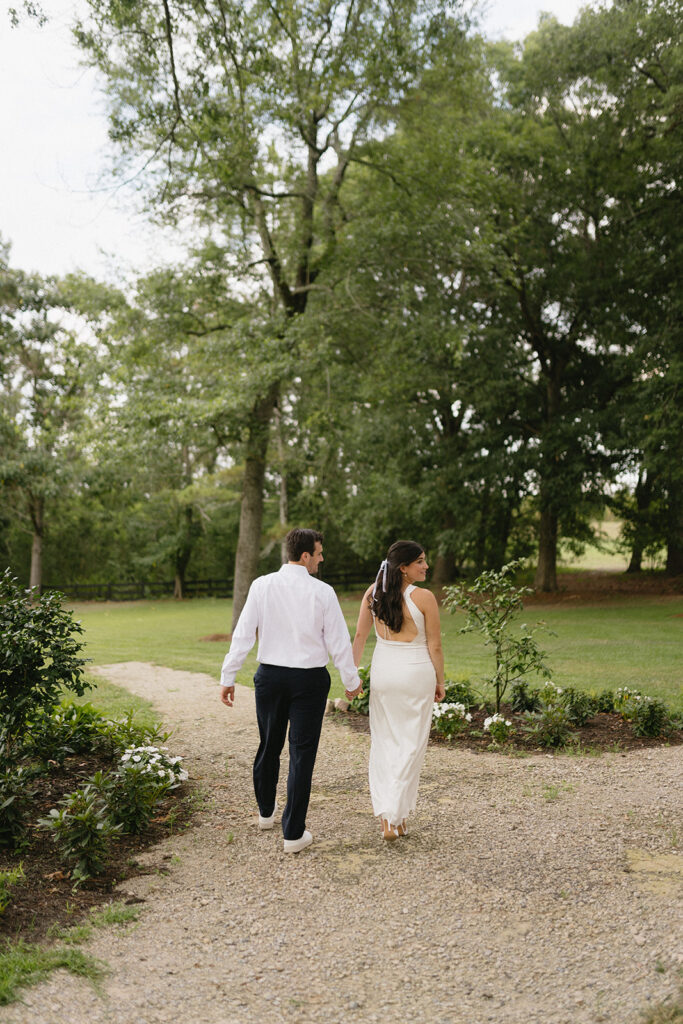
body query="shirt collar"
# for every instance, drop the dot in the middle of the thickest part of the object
(294, 568)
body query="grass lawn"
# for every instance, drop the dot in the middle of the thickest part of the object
(634, 643)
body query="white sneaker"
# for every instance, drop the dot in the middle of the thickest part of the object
(266, 823)
(295, 845)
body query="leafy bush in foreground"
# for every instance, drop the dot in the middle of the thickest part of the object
(39, 657)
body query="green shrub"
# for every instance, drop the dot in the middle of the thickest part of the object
(490, 603)
(605, 702)
(550, 725)
(39, 656)
(580, 705)
(459, 691)
(68, 729)
(648, 716)
(523, 699)
(82, 828)
(15, 802)
(121, 734)
(8, 879)
(361, 703)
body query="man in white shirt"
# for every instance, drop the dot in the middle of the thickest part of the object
(299, 624)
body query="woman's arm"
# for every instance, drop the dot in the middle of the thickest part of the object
(429, 607)
(363, 627)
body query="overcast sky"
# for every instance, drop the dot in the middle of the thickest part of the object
(56, 207)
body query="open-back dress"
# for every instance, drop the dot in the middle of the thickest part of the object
(402, 685)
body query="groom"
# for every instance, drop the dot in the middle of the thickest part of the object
(299, 624)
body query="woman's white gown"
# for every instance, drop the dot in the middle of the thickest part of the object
(402, 685)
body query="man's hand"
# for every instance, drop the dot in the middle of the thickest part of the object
(350, 694)
(228, 695)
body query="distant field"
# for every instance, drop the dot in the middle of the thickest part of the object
(605, 555)
(633, 643)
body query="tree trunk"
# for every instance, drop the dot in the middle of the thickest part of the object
(284, 495)
(251, 511)
(184, 552)
(483, 530)
(636, 562)
(38, 521)
(499, 535)
(546, 571)
(445, 569)
(643, 496)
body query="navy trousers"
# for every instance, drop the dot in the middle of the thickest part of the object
(294, 697)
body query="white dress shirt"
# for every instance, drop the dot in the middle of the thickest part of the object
(299, 623)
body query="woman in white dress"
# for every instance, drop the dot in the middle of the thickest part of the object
(406, 677)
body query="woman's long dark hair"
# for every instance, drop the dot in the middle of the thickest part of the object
(387, 604)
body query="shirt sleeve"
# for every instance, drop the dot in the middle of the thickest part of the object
(242, 639)
(338, 642)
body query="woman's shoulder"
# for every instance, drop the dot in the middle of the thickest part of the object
(424, 599)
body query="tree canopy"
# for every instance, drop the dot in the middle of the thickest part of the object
(432, 290)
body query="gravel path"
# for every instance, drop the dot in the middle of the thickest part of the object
(536, 890)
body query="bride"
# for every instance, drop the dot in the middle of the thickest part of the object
(406, 677)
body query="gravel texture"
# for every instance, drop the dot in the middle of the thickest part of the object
(533, 890)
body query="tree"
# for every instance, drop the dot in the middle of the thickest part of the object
(621, 67)
(248, 117)
(43, 387)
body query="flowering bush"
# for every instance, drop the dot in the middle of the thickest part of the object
(449, 718)
(498, 726)
(142, 779)
(121, 734)
(622, 697)
(648, 717)
(153, 761)
(549, 693)
(459, 691)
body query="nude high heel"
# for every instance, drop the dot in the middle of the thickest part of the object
(389, 832)
(403, 828)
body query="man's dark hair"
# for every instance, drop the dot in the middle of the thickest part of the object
(298, 541)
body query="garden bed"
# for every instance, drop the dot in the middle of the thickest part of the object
(46, 898)
(603, 732)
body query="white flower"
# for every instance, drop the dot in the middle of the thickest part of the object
(494, 720)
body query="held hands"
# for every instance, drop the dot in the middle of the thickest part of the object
(440, 692)
(350, 694)
(228, 695)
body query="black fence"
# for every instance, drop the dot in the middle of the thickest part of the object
(144, 590)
